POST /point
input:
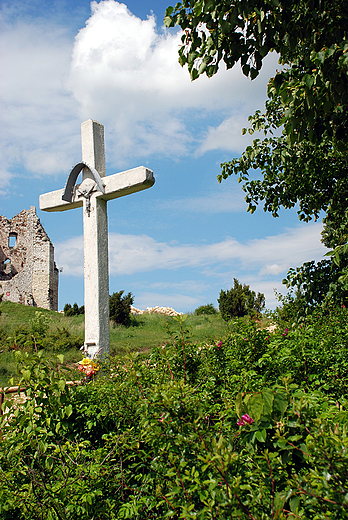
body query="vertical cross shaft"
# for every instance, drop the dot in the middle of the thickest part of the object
(95, 233)
(93, 193)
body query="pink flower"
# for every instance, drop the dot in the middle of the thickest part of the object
(219, 344)
(285, 332)
(245, 419)
(89, 371)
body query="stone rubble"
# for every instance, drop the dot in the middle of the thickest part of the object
(168, 311)
(271, 328)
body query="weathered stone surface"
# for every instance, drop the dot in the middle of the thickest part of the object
(168, 311)
(28, 273)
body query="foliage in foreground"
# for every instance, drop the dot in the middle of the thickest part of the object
(250, 427)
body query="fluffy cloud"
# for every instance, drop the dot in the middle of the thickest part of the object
(37, 113)
(129, 254)
(231, 199)
(120, 70)
(262, 263)
(125, 73)
(174, 300)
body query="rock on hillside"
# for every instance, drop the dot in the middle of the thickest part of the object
(168, 311)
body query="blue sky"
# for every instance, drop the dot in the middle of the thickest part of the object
(182, 241)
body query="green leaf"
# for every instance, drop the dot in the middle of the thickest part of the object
(68, 410)
(239, 405)
(26, 375)
(246, 69)
(280, 403)
(261, 435)
(197, 8)
(294, 504)
(308, 80)
(169, 10)
(268, 398)
(168, 22)
(194, 74)
(255, 406)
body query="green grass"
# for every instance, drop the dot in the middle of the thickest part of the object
(145, 332)
(150, 330)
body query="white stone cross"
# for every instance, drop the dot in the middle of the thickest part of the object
(93, 193)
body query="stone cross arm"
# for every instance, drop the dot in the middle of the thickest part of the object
(115, 186)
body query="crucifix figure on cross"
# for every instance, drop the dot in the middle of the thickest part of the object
(93, 193)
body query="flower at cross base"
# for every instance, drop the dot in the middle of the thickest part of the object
(245, 419)
(88, 367)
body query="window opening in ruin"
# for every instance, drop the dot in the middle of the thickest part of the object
(12, 239)
(7, 266)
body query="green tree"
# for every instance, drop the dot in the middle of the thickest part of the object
(205, 309)
(120, 307)
(74, 310)
(240, 301)
(308, 97)
(307, 165)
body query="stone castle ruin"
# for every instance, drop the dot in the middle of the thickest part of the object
(28, 273)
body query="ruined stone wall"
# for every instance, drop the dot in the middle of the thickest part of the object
(28, 273)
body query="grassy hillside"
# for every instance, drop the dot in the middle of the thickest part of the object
(21, 325)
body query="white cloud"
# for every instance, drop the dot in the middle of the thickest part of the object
(191, 286)
(228, 135)
(129, 254)
(231, 199)
(122, 71)
(69, 256)
(273, 269)
(174, 300)
(125, 72)
(37, 114)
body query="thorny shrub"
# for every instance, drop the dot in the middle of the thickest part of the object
(252, 426)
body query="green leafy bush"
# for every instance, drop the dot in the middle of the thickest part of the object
(315, 283)
(206, 309)
(120, 305)
(240, 301)
(250, 427)
(61, 340)
(38, 335)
